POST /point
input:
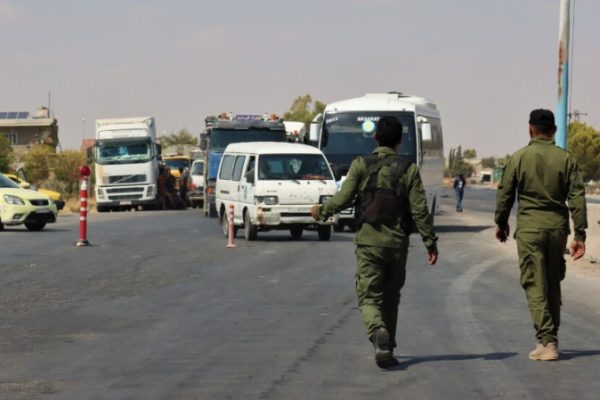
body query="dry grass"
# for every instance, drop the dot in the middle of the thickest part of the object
(73, 205)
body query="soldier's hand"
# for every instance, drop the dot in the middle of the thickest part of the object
(577, 249)
(502, 233)
(314, 212)
(432, 256)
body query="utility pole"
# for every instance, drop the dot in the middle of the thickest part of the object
(564, 31)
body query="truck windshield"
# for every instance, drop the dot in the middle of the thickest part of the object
(293, 167)
(175, 163)
(220, 138)
(119, 151)
(197, 168)
(350, 134)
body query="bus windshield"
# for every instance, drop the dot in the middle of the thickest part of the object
(220, 138)
(124, 151)
(350, 134)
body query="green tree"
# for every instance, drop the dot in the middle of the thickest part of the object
(179, 138)
(470, 153)
(66, 170)
(303, 109)
(7, 155)
(38, 162)
(584, 145)
(457, 164)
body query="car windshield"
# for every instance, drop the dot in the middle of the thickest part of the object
(176, 163)
(220, 138)
(350, 134)
(8, 183)
(197, 168)
(123, 151)
(293, 167)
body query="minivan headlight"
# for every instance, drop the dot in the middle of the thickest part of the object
(10, 199)
(268, 200)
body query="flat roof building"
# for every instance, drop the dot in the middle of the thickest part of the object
(24, 130)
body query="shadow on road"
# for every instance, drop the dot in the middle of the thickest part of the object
(571, 354)
(407, 361)
(460, 228)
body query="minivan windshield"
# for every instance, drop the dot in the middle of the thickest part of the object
(293, 167)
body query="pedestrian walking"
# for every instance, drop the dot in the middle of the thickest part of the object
(387, 190)
(545, 177)
(459, 191)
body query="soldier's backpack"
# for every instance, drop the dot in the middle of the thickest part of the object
(379, 206)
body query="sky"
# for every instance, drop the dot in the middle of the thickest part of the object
(485, 63)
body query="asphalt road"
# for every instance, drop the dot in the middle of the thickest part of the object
(158, 308)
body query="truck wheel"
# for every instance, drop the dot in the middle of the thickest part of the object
(250, 231)
(35, 226)
(338, 226)
(296, 232)
(102, 209)
(324, 232)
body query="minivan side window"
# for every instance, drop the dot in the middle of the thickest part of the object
(226, 167)
(237, 168)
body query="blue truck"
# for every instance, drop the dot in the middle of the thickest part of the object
(230, 128)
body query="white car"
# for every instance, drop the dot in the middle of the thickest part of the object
(273, 185)
(24, 206)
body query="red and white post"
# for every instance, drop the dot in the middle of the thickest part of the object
(83, 194)
(231, 236)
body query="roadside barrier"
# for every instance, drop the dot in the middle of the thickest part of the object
(83, 194)
(231, 236)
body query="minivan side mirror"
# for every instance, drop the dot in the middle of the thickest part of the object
(250, 176)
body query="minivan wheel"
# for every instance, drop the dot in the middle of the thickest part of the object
(250, 231)
(296, 232)
(324, 232)
(225, 224)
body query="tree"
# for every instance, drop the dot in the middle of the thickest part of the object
(457, 164)
(470, 153)
(180, 138)
(488, 162)
(584, 145)
(301, 109)
(37, 162)
(66, 170)
(7, 155)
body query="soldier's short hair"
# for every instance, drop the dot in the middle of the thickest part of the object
(389, 131)
(543, 120)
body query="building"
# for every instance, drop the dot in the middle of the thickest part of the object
(23, 130)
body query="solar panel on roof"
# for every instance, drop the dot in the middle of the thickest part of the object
(12, 115)
(23, 115)
(3, 115)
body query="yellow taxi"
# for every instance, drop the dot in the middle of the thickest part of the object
(55, 196)
(24, 206)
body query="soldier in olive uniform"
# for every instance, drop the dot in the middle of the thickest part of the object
(545, 178)
(382, 241)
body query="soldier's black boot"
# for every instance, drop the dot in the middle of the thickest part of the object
(383, 353)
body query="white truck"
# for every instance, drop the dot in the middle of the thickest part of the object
(127, 160)
(346, 129)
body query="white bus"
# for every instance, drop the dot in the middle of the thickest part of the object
(346, 128)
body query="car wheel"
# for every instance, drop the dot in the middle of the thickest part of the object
(35, 226)
(324, 232)
(250, 231)
(296, 232)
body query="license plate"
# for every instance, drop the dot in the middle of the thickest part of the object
(125, 203)
(43, 210)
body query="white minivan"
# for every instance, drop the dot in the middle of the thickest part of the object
(273, 186)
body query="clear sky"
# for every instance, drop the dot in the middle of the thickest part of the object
(486, 63)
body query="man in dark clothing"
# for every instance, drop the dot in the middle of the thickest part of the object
(545, 178)
(382, 238)
(459, 191)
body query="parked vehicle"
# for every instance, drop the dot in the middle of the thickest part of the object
(55, 196)
(127, 158)
(229, 128)
(346, 128)
(196, 184)
(273, 186)
(24, 206)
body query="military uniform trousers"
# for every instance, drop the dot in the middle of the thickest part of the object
(380, 274)
(542, 264)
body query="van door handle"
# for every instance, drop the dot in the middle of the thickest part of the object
(224, 191)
